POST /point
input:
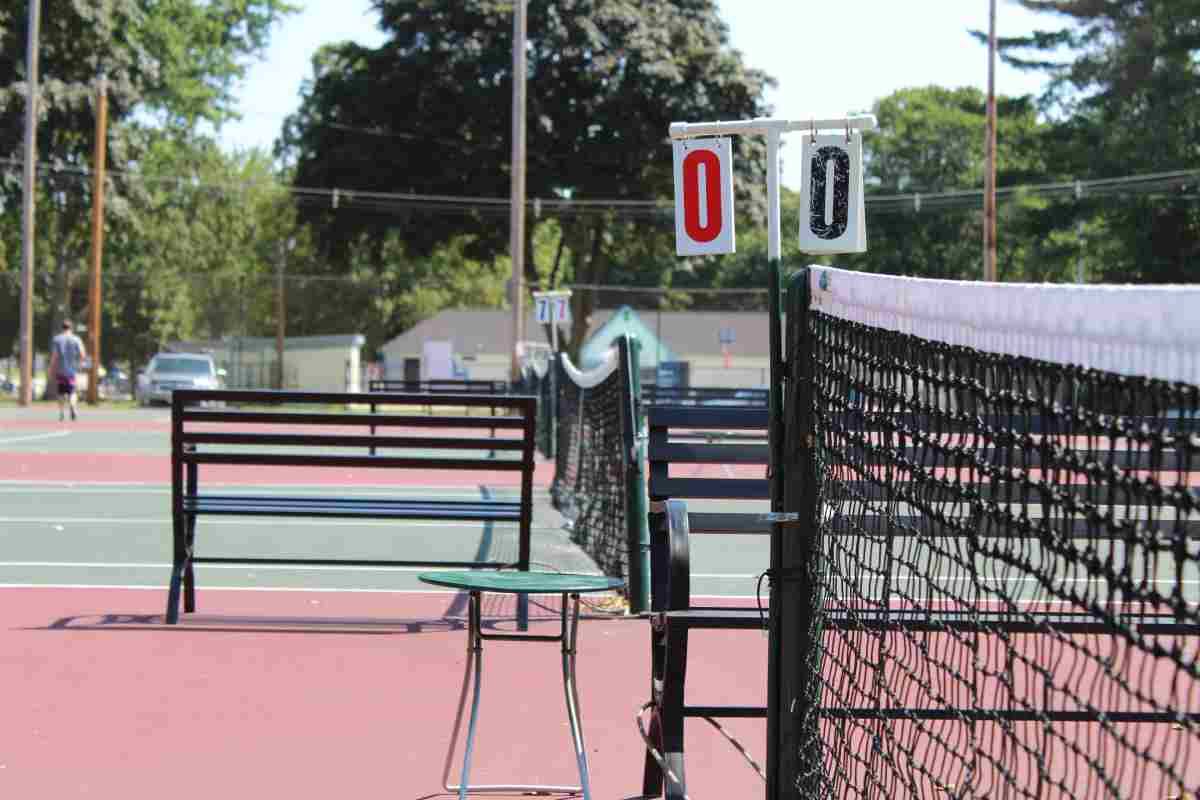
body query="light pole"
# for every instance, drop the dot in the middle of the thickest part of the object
(27, 229)
(517, 212)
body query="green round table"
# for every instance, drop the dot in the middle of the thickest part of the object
(570, 587)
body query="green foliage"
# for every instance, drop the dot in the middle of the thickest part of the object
(1127, 102)
(175, 62)
(605, 79)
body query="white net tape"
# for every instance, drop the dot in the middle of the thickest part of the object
(1151, 331)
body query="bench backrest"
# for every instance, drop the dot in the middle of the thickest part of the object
(717, 454)
(281, 430)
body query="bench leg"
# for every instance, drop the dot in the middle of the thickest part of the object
(178, 565)
(189, 573)
(172, 615)
(674, 672)
(652, 777)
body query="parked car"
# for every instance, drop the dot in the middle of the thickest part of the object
(170, 371)
(115, 383)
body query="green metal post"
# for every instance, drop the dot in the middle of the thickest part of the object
(798, 586)
(638, 528)
(775, 428)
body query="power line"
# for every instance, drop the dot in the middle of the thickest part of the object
(1174, 184)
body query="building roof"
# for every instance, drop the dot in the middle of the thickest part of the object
(686, 334)
(621, 321)
(248, 343)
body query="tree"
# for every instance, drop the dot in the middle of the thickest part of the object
(174, 62)
(931, 141)
(427, 112)
(1127, 102)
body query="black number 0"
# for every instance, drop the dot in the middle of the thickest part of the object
(817, 223)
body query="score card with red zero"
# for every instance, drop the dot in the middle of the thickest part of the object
(703, 196)
(832, 214)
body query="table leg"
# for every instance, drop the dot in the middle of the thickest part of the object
(475, 667)
(571, 691)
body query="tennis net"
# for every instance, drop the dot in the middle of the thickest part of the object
(593, 441)
(992, 588)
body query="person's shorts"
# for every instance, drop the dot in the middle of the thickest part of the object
(66, 384)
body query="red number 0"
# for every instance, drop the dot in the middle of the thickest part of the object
(691, 195)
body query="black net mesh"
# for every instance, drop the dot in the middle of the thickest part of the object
(1005, 577)
(590, 464)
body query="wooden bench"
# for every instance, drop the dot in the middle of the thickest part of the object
(297, 429)
(717, 441)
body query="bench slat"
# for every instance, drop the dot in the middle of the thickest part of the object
(904, 525)
(303, 505)
(331, 512)
(368, 500)
(302, 460)
(362, 420)
(726, 522)
(697, 453)
(348, 562)
(699, 417)
(730, 712)
(1001, 492)
(188, 397)
(709, 488)
(718, 618)
(333, 440)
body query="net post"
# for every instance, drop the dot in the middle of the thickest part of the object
(637, 527)
(775, 476)
(795, 656)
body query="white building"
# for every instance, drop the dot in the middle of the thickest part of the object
(310, 363)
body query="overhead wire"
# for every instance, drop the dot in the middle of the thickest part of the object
(1177, 184)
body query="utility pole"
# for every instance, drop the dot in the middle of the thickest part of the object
(517, 213)
(280, 315)
(94, 300)
(989, 189)
(29, 182)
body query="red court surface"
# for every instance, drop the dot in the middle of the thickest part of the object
(135, 468)
(320, 695)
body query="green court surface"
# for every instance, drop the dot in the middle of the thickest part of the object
(115, 529)
(120, 535)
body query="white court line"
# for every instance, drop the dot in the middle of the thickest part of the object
(54, 435)
(205, 567)
(159, 588)
(164, 488)
(251, 523)
(946, 579)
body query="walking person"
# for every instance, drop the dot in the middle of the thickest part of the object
(67, 355)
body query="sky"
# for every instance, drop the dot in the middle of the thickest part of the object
(821, 71)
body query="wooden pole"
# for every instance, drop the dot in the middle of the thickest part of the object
(517, 215)
(989, 192)
(280, 317)
(94, 294)
(29, 201)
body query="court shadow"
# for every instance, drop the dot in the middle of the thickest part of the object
(228, 623)
(499, 616)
